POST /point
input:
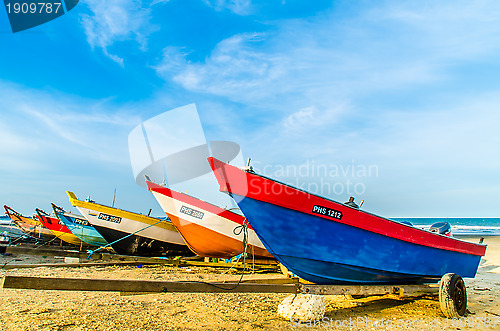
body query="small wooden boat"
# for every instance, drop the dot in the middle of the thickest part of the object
(58, 228)
(80, 227)
(130, 233)
(30, 226)
(208, 230)
(327, 242)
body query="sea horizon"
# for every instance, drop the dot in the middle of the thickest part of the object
(461, 226)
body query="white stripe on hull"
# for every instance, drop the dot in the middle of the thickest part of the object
(130, 226)
(210, 221)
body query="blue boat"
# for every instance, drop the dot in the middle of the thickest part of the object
(327, 242)
(80, 227)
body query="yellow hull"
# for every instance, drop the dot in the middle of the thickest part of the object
(69, 238)
(146, 220)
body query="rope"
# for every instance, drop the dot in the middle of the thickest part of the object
(31, 234)
(6, 264)
(17, 216)
(129, 235)
(47, 242)
(243, 228)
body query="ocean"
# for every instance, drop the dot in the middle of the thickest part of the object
(475, 226)
(5, 220)
(470, 226)
(11, 230)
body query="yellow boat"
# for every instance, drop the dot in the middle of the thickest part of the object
(132, 233)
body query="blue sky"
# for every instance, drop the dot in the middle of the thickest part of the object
(406, 93)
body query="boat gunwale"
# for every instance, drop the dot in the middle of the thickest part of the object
(444, 238)
(52, 227)
(204, 205)
(149, 220)
(65, 213)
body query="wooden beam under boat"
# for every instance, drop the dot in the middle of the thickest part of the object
(120, 285)
(369, 290)
(276, 285)
(270, 265)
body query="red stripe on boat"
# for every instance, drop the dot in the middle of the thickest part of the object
(197, 203)
(237, 181)
(53, 224)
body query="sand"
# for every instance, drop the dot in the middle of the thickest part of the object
(72, 310)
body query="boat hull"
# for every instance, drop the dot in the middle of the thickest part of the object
(59, 230)
(327, 242)
(147, 236)
(32, 227)
(335, 253)
(209, 231)
(139, 245)
(81, 228)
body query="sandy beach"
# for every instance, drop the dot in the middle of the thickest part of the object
(72, 310)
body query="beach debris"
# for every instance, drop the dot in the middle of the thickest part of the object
(489, 312)
(71, 260)
(302, 307)
(482, 289)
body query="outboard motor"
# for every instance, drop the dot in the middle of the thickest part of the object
(441, 228)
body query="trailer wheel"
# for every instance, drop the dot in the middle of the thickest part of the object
(452, 295)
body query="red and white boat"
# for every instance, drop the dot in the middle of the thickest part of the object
(208, 230)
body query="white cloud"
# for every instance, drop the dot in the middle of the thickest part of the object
(50, 128)
(330, 60)
(239, 7)
(52, 142)
(173, 62)
(155, 2)
(236, 69)
(300, 118)
(117, 20)
(312, 120)
(393, 85)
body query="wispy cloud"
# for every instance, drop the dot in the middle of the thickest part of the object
(36, 124)
(382, 84)
(52, 142)
(155, 2)
(240, 7)
(113, 21)
(390, 47)
(236, 69)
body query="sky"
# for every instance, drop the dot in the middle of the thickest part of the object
(394, 102)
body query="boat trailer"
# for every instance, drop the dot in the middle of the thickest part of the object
(451, 289)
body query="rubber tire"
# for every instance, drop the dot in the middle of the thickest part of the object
(452, 296)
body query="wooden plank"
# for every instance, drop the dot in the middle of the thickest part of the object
(281, 281)
(294, 280)
(45, 252)
(82, 255)
(238, 265)
(66, 265)
(419, 290)
(268, 264)
(118, 285)
(369, 290)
